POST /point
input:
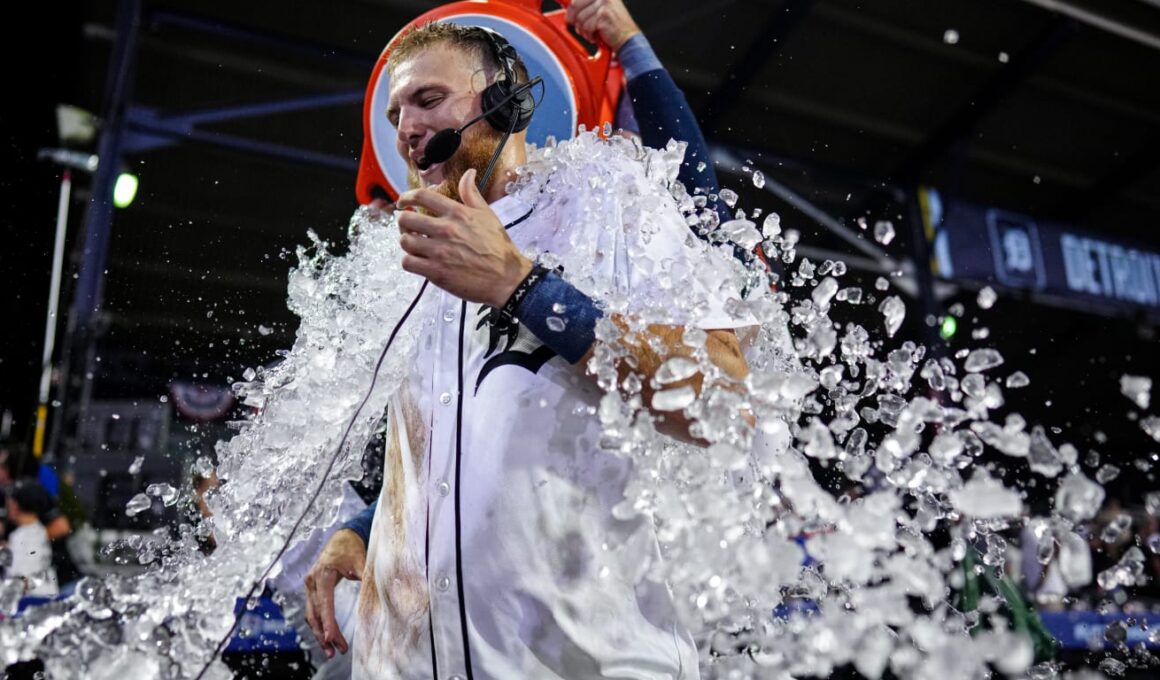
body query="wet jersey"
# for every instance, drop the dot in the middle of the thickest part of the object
(498, 550)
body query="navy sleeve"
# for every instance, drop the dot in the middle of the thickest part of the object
(361, 523)
(662, 114)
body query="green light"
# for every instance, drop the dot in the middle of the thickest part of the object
(125, 190)
(948, 328)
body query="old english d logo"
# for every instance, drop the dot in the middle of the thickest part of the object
(520, 346)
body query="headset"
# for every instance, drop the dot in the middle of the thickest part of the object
(507, 107)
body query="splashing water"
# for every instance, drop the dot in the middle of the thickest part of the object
(868, 579)
(167, 622)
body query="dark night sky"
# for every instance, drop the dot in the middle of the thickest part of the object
(39, 55)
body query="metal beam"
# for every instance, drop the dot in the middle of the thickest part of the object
(1100, 21)
(251, 36)
(247, 281)
(147, 132)
(780, 24)
(80, 335)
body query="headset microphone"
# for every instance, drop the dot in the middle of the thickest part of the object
(446, 142)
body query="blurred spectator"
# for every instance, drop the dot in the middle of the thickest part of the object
(81, 542)
(28, 540)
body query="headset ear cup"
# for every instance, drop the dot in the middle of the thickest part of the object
(493, 97)
(512, 113)
(520, 107)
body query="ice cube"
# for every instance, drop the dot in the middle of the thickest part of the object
(1138, 388)
(986, 298)
(1152, 503)
(675, 369)
(853, 295)
(135, 468)
(824, 291)
(729, 196)
(758, 179)
(1107, 473)
(1078, 498)
(1075, 560)
(137, 504)
(893, 312)
(674, 399)
(742, 232)
(771, 225)
(1017, 379)
(883, 232)
(165, 492)
(984, 497)
(1151, 425)
(981, 360)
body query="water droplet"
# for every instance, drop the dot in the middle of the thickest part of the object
(555, 324)
(951, 36)
(135, 468)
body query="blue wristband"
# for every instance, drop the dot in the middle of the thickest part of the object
(361, 523)
(636, 56)
(559, 315)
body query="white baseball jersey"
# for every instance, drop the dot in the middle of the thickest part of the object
(495, 552)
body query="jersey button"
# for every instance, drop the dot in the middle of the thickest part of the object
(444, 488)
(443, 583)
(449, 315)
(445, 398)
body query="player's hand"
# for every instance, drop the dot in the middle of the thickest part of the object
(460, 247)
(606, 21)
(343, 556)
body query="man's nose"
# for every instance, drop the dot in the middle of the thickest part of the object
(410, 130)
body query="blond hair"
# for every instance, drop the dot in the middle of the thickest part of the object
(471, 40)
